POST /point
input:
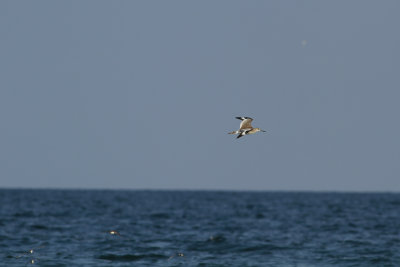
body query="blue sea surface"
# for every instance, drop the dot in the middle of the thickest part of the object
(198, 228)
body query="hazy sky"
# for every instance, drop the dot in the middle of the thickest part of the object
(141, 94)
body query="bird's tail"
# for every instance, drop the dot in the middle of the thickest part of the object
(234, 132)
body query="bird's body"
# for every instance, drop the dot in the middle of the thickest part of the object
(112, 232)
(245, 127)
(28, 252)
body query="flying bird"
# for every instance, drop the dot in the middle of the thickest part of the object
(178, 254)
(113, 232)
(245, 127)
(28, 252)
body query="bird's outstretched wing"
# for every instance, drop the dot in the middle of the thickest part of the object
(246, 122)
(28, 252)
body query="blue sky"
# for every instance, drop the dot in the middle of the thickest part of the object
(141, 94)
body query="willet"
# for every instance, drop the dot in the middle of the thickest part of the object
(113, 232)
(245, 127)
(178, 254)
(28, 252)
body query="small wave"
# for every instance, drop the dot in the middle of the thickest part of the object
(131, 257)
(39, 227)
(219, 238)
(259, 215)
(24, 214)
(4, 237)
(355, 243)
(264, 248)
(160, 216)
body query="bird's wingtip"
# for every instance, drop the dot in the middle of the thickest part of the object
(243, 118)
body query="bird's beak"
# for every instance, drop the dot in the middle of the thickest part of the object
(263, 131)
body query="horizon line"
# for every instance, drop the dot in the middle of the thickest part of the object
(204, 190)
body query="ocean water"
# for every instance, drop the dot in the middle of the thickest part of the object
(198, 228)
